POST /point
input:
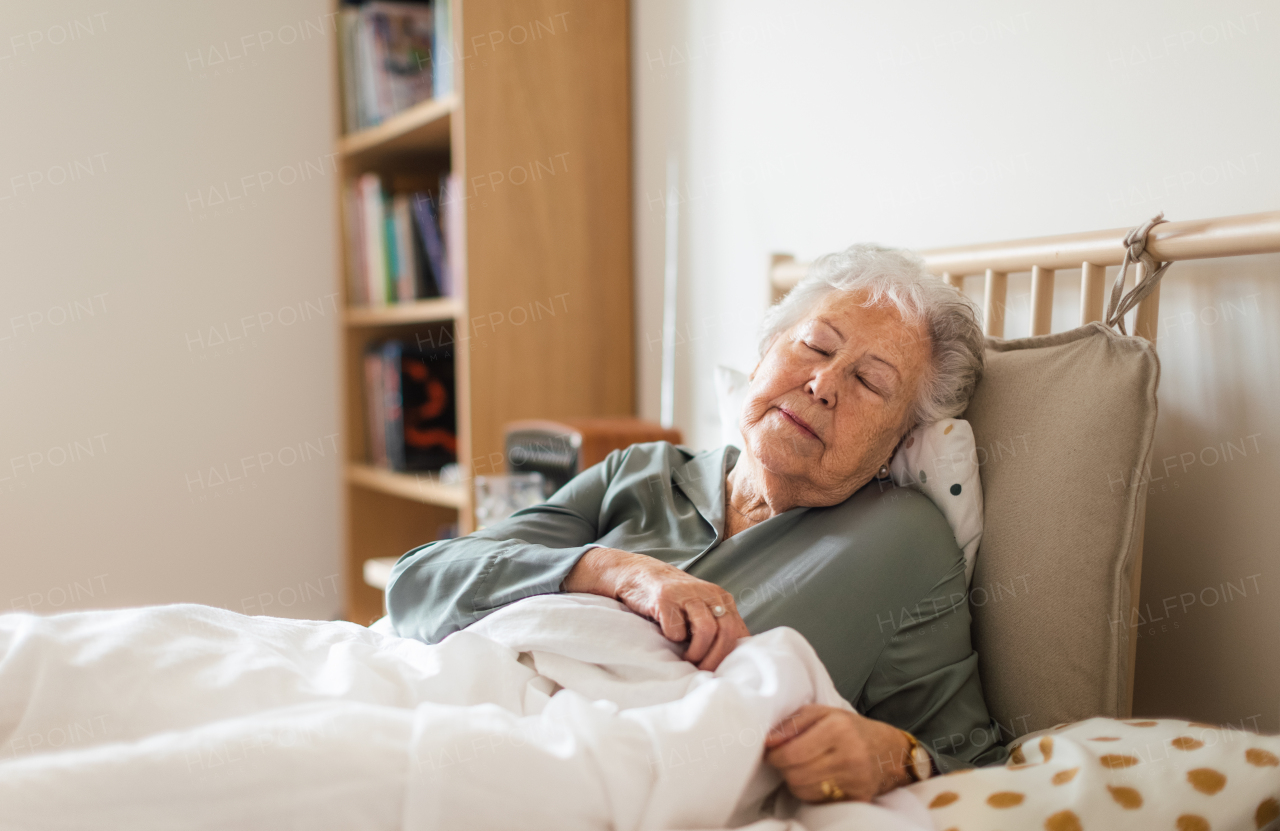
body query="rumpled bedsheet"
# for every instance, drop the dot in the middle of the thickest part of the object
(557, 712)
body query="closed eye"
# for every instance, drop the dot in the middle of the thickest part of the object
(816, 349)
(870, 387)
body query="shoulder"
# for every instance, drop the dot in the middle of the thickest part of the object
(658, 467)
(904, 524)
(657, 450)
(650, 456)
(641, 463)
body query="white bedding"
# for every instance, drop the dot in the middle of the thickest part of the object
(184, 717)
(191, 717)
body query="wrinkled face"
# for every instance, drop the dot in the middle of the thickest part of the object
(831, 398)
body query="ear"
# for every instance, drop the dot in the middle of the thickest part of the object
(901, 439)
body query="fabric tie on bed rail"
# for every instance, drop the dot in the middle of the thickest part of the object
(1135, 251)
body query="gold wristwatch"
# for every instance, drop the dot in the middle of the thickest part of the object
(919, 762)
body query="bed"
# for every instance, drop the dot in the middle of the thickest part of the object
(1065, 422)
(567, 711)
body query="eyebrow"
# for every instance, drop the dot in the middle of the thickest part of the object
(832, 326)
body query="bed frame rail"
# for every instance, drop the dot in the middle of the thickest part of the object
(1090, 252)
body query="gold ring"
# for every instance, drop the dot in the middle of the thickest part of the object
(718, 611)
(831, 791)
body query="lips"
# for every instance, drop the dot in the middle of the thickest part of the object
(798, 422)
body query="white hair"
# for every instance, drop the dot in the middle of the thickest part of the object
(895, 278)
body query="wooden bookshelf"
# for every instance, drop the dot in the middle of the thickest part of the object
(557, 246)
(421, 311)
(416, 487)
(423, 128)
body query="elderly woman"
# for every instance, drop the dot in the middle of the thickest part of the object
(800, 529)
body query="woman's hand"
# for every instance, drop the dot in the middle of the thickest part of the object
(862, 757)
(679, 603)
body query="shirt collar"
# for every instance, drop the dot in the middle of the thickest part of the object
(702, 480)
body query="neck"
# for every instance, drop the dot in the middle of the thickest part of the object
(754, 492)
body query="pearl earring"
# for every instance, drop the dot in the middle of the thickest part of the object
(884, 472)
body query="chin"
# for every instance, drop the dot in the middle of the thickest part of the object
(775, 453)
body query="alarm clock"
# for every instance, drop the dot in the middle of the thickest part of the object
(560, 450)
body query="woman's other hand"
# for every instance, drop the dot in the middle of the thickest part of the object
(680, 604)
(861, 757)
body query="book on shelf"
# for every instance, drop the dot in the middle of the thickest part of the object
(397, 251)
(428, 224)
(392, 404)
(442, 50)
(372, 239)
(402, 240)
(410, 407)
(374, 398)
(394, 55)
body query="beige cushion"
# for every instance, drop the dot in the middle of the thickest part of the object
(1062, 422)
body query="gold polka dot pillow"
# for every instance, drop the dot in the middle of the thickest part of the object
(1103, 773)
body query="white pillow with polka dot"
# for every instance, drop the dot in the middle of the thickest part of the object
(1105, 773)
(939, 460)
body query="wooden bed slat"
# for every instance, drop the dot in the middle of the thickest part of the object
(993, 303)
(1093, 283)
(1041, 300)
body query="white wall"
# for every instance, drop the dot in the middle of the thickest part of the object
(803, 127)
(118, 417)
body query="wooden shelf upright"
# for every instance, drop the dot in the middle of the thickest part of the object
(538, 130)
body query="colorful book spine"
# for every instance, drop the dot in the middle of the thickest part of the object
(353, 223)
(424, 211)
(380, 41)
(430, 421)
(407, 265)
(390, 254)
(366, 68)
(374, 231)
(375, 421)
(426, 285)
(442, 49)
(393, 405)
(348, 19)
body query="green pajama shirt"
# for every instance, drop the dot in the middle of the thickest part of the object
(876, 584)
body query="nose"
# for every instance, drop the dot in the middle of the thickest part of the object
(822, 387)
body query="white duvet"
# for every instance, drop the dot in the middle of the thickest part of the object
(557, 712)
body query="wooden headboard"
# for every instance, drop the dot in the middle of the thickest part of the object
(1089, 252)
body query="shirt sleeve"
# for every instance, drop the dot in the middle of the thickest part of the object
(443, 586)
(926, 681)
